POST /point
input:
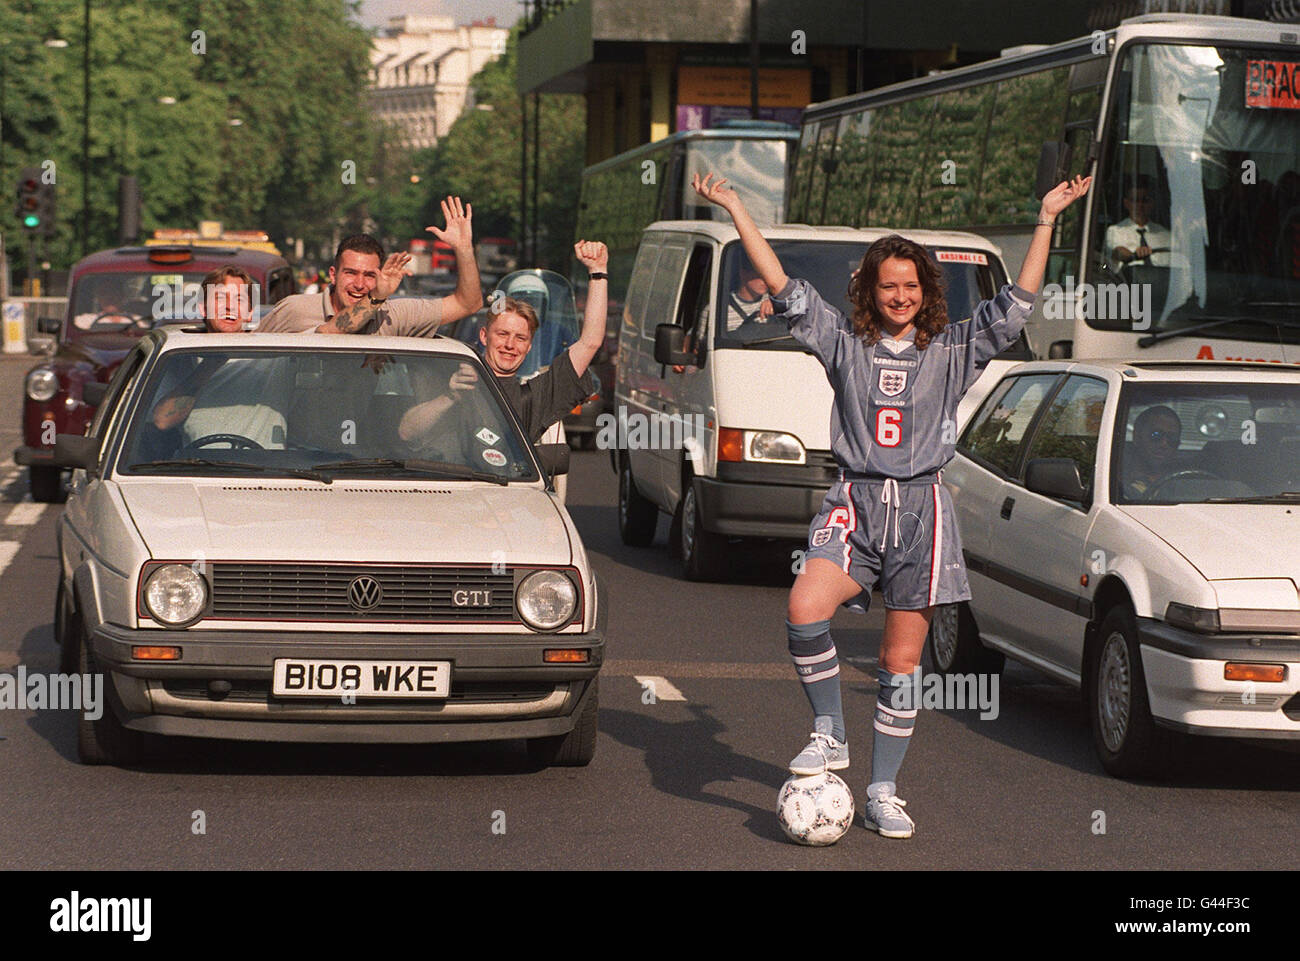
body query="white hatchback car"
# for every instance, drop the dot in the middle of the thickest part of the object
(1133, 529)
(311, 538)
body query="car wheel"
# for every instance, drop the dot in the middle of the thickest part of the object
(105, 740)
(578, 747)
(637, 517)
(46, 484)
(1126, 737)
(67, 626)
(953, 644)
(703, 553)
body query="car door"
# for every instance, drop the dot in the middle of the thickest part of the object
(1039, 540)
(992, 445)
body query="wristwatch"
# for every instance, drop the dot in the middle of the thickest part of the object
(598, 275)
(376, 301)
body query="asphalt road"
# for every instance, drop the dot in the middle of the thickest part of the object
(680, 784)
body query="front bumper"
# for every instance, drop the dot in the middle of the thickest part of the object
(762, 500)
(501, 688)
(1188, 692)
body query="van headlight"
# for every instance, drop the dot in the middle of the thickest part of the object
(546, 600)
(42, 384)
(175, 594)
(767, 445)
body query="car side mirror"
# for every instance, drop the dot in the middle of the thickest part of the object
(48, 325)
(1055, 477)
(554, 458)
(93, 392)
(1053, 167)
(75, 451)
(1060, 350)
(670, 341)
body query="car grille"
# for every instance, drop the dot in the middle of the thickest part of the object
(328, 592)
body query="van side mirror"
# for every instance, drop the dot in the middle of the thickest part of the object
(670, 341)
(554, 458)
(48, 325)
(1055, 477)
(1060, 350)
(75, 451)
(1053, 167)
(93, 392)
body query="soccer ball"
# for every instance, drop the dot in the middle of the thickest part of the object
(815, 810)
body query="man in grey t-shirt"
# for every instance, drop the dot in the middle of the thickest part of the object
(356, 299)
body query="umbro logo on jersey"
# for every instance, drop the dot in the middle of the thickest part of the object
(891, 383)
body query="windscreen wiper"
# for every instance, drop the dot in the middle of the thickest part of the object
(459, 471)
(238, 465)
(1286, 497)
(766, 340)
(1159, 335)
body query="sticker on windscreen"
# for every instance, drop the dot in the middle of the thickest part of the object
(487, 437)
(961, 257)
(494, 457)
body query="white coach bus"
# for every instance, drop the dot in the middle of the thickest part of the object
(1190, 127)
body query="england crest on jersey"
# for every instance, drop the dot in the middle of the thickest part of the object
(891, 382)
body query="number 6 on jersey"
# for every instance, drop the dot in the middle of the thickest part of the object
(889, 427)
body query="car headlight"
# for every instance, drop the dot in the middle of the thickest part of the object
(546, 600)
(175, 594)
(1201, 619)
(42, 384)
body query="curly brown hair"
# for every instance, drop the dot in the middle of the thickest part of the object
(933, 315)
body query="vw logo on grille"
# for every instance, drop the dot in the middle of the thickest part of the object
(365, 593)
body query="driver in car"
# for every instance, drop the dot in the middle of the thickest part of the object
(1153, 454)
(111, 296)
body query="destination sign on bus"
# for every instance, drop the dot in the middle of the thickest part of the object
(1273, 84)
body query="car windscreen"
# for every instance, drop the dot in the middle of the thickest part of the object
(1183, 443)
(969, 277)
(336, 413)
(120, 301)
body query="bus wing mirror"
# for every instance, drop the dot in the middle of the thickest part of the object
(1053, 167)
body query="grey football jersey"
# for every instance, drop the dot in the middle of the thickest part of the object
(895, 410)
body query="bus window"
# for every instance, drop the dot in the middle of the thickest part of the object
(848, 185)
(821, 168)
(956, 157)
(901, 134)
(1203, 172)
(756, 168)
(1029, 110)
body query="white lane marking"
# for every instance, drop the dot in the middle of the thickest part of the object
(25, 513)
(660, 687)
(7, 551)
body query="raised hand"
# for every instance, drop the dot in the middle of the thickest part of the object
(463, 381)
(592, 253)
(715, 193)
(459, 232)
(1064, 194)
(390, 275)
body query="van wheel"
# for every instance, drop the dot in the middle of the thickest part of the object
(46, 484)
(637, 517)
(1127, 740)
(953, 643)
(106, 740)
(704, 553)
(578, 747)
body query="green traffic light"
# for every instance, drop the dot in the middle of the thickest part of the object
(31, 220)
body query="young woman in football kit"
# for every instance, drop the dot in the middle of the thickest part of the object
(898, 369)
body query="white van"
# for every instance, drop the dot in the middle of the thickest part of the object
(737, 444)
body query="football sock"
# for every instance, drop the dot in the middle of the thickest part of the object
(818, 667)
(892, 731)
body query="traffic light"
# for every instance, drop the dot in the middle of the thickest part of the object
(28, 209)
(35, 207)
